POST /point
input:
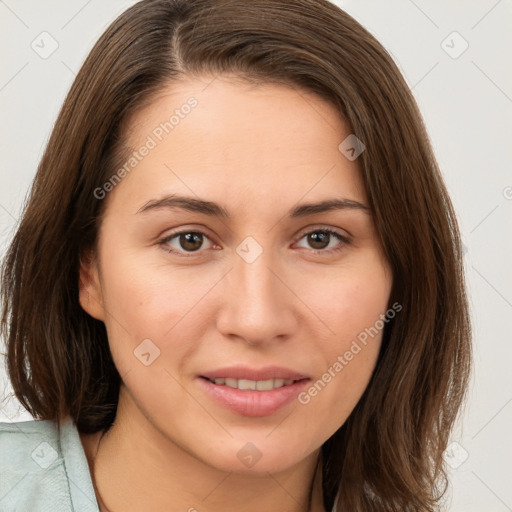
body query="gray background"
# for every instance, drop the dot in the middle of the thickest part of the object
(465, 96)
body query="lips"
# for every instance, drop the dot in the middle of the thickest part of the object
(253, 392)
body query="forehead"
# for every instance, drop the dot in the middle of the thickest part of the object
(232, 139)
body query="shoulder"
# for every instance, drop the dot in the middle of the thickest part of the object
(18, 435)
(28, 445)
(37, 457)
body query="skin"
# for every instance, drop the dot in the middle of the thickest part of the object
(258, 151)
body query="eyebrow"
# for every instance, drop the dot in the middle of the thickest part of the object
(216, 210)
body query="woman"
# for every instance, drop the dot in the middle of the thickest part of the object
(237, 283)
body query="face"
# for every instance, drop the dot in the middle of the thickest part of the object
(236, 311)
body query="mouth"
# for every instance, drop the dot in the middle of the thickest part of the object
(253, 392)
(254, 385)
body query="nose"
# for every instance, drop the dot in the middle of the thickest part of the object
(258, 307)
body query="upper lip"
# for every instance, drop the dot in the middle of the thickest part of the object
(246, 372)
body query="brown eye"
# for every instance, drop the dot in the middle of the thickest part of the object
(324, 240)
(185, 242)
(319, 239)
(191, 241)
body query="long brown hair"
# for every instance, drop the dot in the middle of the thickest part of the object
(388, 454)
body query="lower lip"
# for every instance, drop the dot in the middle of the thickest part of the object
(250, 402)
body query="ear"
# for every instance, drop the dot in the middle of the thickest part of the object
(90, 296)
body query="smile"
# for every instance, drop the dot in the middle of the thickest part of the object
(255, 385)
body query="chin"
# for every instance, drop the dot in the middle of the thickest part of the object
(258, 458)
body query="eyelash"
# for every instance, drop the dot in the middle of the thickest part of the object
(342, 238)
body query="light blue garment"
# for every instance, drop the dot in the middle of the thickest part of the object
(44, 469)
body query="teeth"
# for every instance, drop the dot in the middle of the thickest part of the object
(265, 385)
(232, 383)
(259, 385)
(246, 384)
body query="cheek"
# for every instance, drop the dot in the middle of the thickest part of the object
(353, 301)
(353, 307)
(150, 301)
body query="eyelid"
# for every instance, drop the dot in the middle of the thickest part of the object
(343, 233)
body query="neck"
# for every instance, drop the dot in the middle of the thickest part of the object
(134, 466)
